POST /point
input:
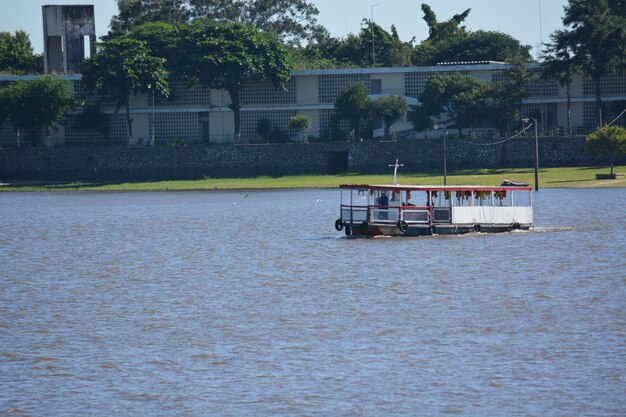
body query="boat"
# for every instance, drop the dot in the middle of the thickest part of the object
(420, 210)
(512, 183)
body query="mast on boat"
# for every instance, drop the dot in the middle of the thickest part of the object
(395, 171)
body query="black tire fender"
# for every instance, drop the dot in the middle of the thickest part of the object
(477, 228)
(433, 230)
(402, 225)
(348, 231)
(338, 225)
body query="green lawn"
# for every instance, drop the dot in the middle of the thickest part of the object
(548, 178)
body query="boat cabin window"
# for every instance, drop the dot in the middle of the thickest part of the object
(391, 197)
(483, 198)
(353, 197)
(522, 198)
(462, 198)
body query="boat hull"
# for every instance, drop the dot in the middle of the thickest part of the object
(371, 230)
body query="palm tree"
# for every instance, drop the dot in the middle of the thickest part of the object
(595, 31)
(559, 65)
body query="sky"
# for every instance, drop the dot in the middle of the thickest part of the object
(518, 18)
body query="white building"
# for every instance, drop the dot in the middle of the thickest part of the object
(200, 115)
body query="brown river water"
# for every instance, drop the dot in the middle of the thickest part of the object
(251, 304)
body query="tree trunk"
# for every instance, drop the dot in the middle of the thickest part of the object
(354, 127)
(568, 90)
(599, 123)
(612, 159)
(128, 119)
(233, 91)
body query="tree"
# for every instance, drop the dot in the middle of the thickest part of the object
(158, 36)
(224, 55)
(355, 50)
(137, 12)
(595, 31)
(389, 50)
(480, 46)
(36, 104)
(294, 21)
(16, 54)
(300, 123)
(559, 65)
(263, 128)
(444, 31)
(4, 106)
(419, 118)
(353, 105)
(464, 99)
(609, 141)
(391, 109)
(120, 67)
(507, 96)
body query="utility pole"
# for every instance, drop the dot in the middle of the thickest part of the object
(445, 157)
(543, 125)
(536, 156)
(372, 29)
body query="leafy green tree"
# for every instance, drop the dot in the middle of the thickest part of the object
(121, 67)
(559, 65)
(444, 31)
(480, 46)
(137, 12)
(450, 42)
(158, 36)
(355, 50)
(16, 54)
(389, 50)
(465, 99)
(508, 95)
(595, 31)
(391, 109)
(353, 105)
(295, 21)
(300, 123)
(224, 55)
(4, 106)
(36, 104)
(608, 141)
(263, 128)
(92, 118)
(419, 118)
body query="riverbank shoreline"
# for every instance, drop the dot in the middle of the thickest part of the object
(565, 177)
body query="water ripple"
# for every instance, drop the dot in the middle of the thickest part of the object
(188, 304)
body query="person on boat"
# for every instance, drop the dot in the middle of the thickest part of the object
(383, 200)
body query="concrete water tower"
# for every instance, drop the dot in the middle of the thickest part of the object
(69, 34)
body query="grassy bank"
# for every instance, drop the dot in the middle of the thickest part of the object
(583, 177)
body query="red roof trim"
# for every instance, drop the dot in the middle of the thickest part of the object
(433, 187)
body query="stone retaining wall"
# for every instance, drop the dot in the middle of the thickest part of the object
(198, 161)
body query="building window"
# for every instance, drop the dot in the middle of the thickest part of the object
(330, 86)
(376, 87)
(414, 82)
(264, 92)
(610, 84)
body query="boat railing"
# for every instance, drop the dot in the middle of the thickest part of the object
(384, 214)
(416, 216)
(353, 214)
(442, 215)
